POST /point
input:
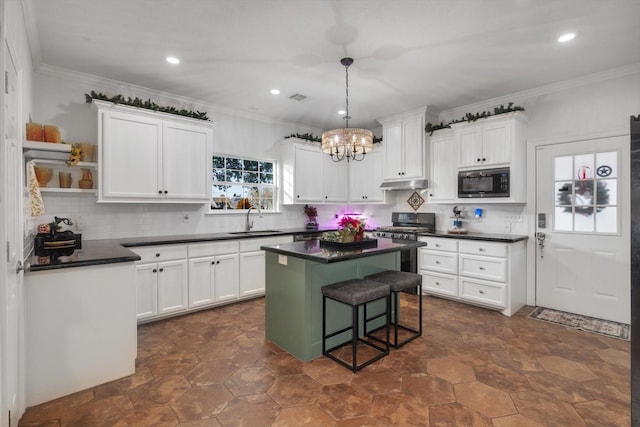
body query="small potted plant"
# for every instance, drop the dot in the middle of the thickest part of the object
(351, 229)
(312, 217)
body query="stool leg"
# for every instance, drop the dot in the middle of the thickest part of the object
(396, 307)
(388, 301)
(354, 341)
(324, 324)
(420, 307)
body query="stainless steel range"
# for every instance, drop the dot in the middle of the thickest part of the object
(407, 226)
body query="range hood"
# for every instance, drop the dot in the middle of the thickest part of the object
(415, 184)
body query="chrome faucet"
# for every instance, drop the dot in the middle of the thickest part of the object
(249, 223)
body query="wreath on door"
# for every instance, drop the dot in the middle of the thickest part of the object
(581, 201)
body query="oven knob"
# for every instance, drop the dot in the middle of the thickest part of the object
(405, 236)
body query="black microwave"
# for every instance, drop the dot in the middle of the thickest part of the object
(483, 183)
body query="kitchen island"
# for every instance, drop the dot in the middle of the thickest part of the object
(295, 274)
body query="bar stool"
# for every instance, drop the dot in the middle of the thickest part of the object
(355, 293)
(400, 281)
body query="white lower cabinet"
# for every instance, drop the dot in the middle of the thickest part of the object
(173, 279)
(490, 274)
(213, 273)
(161, 280)
(252, 264)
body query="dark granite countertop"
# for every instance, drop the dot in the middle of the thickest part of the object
(109, 251)
(487, 237)
(93, 252)
(313, 250)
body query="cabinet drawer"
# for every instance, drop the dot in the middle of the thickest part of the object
(445, 262)
(213, 248)
(439, 283)
(483, 292)
(160, 253)
(440, 244)
(250, 245)
(484, 248)
(483, 267)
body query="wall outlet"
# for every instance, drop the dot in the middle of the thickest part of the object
(512, 218)
(507, 227)
(80, 224)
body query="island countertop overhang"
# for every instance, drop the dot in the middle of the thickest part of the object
(313, 251)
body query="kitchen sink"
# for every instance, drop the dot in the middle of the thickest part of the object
(254, 232)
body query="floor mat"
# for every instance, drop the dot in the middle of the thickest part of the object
(585, 323)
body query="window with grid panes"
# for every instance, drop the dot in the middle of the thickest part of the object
(239, 184)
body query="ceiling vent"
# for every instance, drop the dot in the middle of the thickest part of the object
(297, 97)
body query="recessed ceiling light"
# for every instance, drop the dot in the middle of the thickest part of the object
(173, 60)
(342, 112)
(275, 91)
(566, 37)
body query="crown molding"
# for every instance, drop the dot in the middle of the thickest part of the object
(519, 97)
(101, 84)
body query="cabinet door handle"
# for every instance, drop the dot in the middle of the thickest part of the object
(437, 245)
(484, 160)
(155, 270)
(213, 262)
(161, 270)
(157, 255)
(298, 196)
(217, 262)
(159, 191)
(481, 292)
(437, 283)
(166, 192)
(481, 268)
(480, 249)
(478, 159)
(437, 262)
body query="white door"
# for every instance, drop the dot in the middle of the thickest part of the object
(583, 192)
(201, 290)
(252, 273)
(130, 156)
(172, 286)
(186, 163)
(12, 291)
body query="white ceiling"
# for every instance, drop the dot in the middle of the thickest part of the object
(408, 53)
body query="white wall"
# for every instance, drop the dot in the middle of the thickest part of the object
(566, 110)
(60, 100)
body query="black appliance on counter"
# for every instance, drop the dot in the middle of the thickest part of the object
(57, 243)
(407, 226)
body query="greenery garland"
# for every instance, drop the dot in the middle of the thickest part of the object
(148, 104)
(311, 137)
(430, 127)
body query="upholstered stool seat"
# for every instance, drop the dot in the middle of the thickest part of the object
(401, 281)
(355, 293)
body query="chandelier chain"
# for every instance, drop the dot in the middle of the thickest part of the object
(346, 118)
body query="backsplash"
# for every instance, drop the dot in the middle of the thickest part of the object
(107, 221)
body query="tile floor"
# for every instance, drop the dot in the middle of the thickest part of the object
(472, 367)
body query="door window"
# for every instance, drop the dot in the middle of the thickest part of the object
(586, 190)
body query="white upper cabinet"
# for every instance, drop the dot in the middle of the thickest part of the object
(365, 178)
(152, 157)
(403, 141)
(490, 142)
(335, 182)
(443, 181)
(309, 175)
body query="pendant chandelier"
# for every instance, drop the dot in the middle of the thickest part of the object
(347, 143)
